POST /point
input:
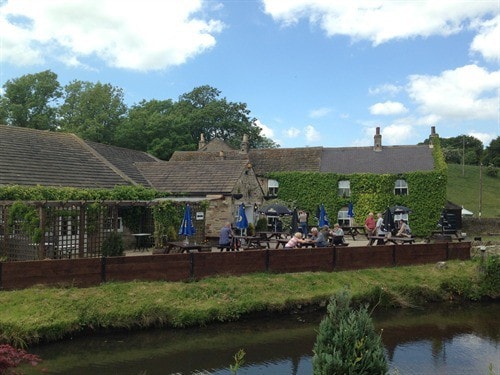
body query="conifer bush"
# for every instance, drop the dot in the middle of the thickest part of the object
(347, 342)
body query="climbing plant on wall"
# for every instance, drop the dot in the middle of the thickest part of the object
(370, 192)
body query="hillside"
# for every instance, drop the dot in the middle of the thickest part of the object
(464, 190)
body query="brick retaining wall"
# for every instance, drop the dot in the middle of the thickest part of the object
(179, 267)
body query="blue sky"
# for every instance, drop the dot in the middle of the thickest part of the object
(313, 73)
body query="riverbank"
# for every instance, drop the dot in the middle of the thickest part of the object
(46, 314)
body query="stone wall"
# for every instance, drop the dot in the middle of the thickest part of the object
(475, 226)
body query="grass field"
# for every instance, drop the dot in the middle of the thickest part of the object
(464, 189)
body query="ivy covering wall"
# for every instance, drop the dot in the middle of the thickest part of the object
(370, 193)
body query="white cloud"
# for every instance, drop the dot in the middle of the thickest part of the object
(381, 21)
(483, 137)
(266, 130)
(487, 42)
(388, 108)
(146, 35)
(320, 112)
(312, 135)
(292, 132)
(385, 89)
(468, 92)
(398, 134)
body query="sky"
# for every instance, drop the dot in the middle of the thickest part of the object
(312, 72)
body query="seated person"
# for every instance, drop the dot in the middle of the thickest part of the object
(321, 239)
(404, 229)
(295, 241)
(225, 236)
(338, 235)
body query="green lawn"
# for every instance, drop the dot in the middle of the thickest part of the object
(464, 189)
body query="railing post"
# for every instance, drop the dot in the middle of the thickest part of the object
(103, 269)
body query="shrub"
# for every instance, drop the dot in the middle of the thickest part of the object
(11, 357)
(113, 245)
(347, 342)
(491, 276)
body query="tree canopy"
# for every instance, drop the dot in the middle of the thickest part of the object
(97, 112)
(31, 101)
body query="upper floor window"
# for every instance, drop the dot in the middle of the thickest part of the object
(273, 186)
(344, 188)
(400, 187)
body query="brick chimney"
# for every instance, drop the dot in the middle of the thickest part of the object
(377, 140)
(202, 142)
(244, 144)
(433, 136)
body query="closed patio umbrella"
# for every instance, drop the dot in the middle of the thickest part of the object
(187, 228)
(242, 221)
(295, 221)
(388, 221)
(350, 212)
(323, 218)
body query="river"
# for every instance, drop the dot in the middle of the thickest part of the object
(442, 339)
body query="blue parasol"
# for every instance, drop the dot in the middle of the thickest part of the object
(323, 218)
(242, 222)
(350, 212)
(187, 228)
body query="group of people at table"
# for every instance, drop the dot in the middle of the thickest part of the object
(324, 236)
(318, 237)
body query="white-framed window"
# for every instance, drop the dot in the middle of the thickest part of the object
(272, 186)
(344, 188)
(343, 218)
(400, 187)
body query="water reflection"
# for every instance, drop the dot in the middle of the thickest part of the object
(459, 340)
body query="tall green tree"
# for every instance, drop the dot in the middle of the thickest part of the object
(203, 111)
(162, 127)
(146, 124)
(92, 111)
(31, 101)
(492, 153)
(463, 146)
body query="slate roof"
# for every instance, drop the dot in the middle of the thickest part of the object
(345, 160)
(33, 157)
(263, 160)
(194, 177)
(390, 160)
(124, 160)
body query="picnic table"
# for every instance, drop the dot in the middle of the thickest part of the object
(182, 246)
(446, 234)
(283, 241)
(270, 235)
(354, 231)
(252, 242)
(382, 240)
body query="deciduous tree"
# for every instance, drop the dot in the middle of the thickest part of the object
(31, 101)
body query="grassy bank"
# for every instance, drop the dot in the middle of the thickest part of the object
(463, 188)
(47, 314)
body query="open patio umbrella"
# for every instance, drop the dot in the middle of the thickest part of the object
(400, 210)
(187, 228)
(323, 217)
(275, 210)
(242, 221)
